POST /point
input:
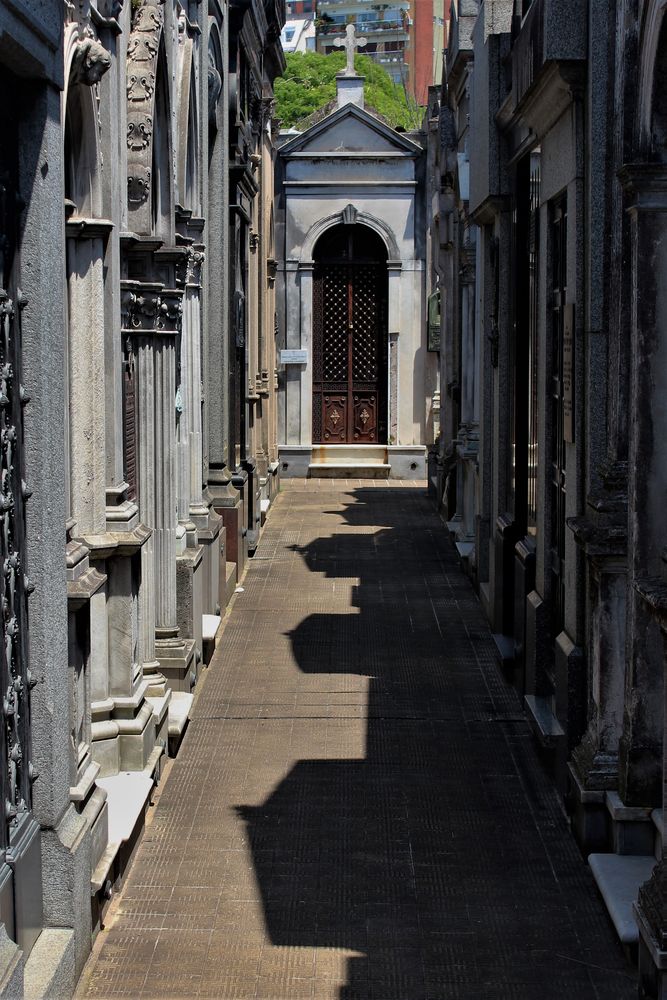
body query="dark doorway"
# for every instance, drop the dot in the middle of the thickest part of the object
(349, 337)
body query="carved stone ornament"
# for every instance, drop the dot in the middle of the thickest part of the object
(214, 87)
(194, 266)
(139, 131)
(141, 72)
(151, 310)
(138, 186)
(349, 215)
(90, 62)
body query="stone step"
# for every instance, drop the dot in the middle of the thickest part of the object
(230, 581)
(179, 716)
(618, 878)
(210, 628)
(349, 454)
(344, 470)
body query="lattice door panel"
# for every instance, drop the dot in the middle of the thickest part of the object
(336, 324)
(348, 353)
(365, 321)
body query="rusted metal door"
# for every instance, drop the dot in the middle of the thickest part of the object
(349, 347)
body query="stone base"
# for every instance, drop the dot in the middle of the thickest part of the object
(588, 814)
(652, 962)
(295, 461)
(49, 973)
(354, 461)
(632, 827)
(177, 662)
(407, 461)
(190, 586)
(11, 968)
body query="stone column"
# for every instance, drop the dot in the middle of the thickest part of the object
(640, 752)
(643, 761)
(87, 426)
(190, 473)
(154, 317)
(394, 269)
(306, 343)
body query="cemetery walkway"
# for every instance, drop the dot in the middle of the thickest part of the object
(357, 810)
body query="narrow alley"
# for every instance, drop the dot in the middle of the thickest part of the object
(357, 811)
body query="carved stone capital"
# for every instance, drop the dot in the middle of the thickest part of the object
(193, 265)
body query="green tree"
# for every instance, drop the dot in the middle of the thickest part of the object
(309, 84)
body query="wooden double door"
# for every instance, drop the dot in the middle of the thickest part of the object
(349, 350)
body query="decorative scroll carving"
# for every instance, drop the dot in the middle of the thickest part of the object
(142, 56)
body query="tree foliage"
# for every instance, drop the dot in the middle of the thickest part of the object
(309, 84)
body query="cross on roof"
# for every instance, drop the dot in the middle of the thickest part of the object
(350, 43)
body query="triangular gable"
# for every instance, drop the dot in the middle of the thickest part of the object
(350, 129)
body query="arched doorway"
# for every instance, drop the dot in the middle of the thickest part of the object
(350, 337)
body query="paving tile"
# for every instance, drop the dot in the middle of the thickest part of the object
(348, 816)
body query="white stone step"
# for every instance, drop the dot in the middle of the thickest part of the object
(619, 877)
(179, 712)
(349, 454)
(209, 627)
(127, 795)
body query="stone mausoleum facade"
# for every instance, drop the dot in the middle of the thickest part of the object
(549, 138)
(137, 398)
(356, 381)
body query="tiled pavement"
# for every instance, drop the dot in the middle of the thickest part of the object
(357, 810)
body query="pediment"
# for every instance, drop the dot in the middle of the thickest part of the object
(350, 130)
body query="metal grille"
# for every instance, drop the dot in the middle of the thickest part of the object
(17, 772)
(366, 313)
(130, 422)
(335, 317)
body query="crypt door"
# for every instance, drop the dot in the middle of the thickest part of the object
(349, 338)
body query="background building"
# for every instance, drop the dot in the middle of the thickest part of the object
(384, 26)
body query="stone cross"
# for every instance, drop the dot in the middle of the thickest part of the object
(350, 43)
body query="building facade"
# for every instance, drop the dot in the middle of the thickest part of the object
(551, 467)
(355, 386)
(139, 421)
(386, 28)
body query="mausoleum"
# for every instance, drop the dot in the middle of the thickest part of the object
(355, 379)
